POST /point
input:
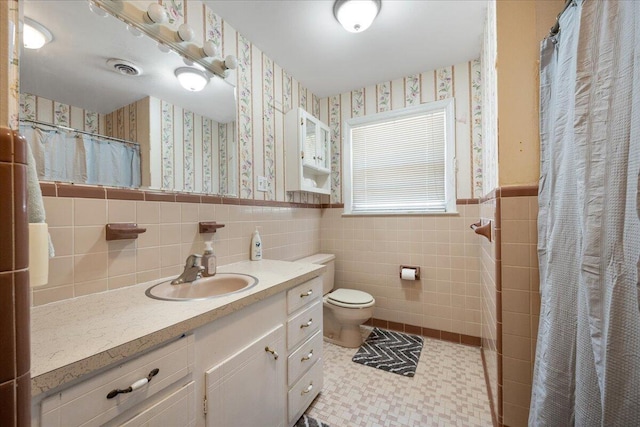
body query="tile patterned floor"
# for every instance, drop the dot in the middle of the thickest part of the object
(448, 390)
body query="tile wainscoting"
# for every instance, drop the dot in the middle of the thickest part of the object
(510, 300)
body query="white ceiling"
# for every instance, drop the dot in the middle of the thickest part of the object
(407, 37)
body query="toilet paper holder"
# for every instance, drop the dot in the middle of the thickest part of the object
(410, 267)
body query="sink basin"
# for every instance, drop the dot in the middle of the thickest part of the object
(220, 285)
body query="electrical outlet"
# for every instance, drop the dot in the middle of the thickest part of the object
(263, 184)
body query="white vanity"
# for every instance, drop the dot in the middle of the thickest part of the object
(249, 358)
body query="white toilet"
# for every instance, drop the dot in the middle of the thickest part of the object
(344, 309)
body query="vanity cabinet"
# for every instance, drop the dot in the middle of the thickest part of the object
(307, 153)
(168, 395)
(304, 342)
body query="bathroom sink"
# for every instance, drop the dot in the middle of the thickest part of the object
(220, 285)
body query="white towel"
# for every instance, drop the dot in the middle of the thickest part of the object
(35, 206)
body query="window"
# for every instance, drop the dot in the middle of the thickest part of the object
(401, 161)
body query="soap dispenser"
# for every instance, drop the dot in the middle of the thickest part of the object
(208, 261)
(256, 246)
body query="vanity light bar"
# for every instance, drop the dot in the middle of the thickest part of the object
(138, 18)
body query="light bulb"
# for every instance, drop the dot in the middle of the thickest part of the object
(185, 32)
(209, 49)
(231, 62)
(156, 14)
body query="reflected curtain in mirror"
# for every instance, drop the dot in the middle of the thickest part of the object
(80, 158)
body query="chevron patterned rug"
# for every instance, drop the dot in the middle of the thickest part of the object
(390, 351)
(306, 421)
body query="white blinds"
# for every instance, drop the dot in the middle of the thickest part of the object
(399, 165)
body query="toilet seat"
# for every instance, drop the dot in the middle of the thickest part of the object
(350, 298)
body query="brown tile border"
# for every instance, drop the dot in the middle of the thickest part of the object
(467, 201)
(80, 191)
(487, 381)
(519, 190)
(122, 194)
(48, 189)
(426, 332)
(61, 189)
(152, 196)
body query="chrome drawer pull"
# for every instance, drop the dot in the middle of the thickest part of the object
(308, 389)
(136, 385)
(306, 294)
(306, 325)
(275, 353)
(307, 357)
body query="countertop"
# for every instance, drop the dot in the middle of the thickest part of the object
(75, 337)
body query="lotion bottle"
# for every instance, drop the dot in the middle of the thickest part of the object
(256, 246)
(209, 261)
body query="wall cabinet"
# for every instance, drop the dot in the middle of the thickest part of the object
(307, 153)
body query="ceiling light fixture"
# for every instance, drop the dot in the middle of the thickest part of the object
(192, 79)
(356, 15)
(34, 35)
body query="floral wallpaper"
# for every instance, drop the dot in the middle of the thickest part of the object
(176, 12)
(207, 162)
(166, 122)
(357, 103)
(412, 90)
(10, 106)
(336, 147)
(444, 82)
(245, 116)
(187, 138)
(45, 110)
(61, 113)
(476, 126)
(489, 104)
(384, 96)
(269, 125)
(213, 29)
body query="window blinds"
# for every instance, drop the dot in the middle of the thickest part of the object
(399, 165)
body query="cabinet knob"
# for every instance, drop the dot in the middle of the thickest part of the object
(269, 350)
(308, 389)
(306, 325)
(307, 357)
(306, 294)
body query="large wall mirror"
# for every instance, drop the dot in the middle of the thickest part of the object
(102, 90)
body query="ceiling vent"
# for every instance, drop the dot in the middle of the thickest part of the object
(124, 67)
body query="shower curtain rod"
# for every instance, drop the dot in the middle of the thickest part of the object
(68, 129)
(556, 27)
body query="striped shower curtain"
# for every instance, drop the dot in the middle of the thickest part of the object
(587, 367)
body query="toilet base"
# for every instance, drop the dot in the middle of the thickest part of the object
(349, 337)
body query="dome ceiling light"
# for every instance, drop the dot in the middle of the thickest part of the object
(356, 15)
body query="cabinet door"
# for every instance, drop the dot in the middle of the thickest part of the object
(248, 389)
(309, 133)
(323, 149)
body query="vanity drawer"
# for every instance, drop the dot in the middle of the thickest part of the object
(174, 410)
(86, 403)
(304, 324)
(304, 391)
(304, 357)
(303, 294)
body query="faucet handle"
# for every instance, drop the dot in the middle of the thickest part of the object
(194, 261)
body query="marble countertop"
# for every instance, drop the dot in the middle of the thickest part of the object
(76, 337)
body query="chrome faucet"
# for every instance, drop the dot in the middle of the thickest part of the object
(192, 270)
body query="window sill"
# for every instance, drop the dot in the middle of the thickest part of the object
(365, 214)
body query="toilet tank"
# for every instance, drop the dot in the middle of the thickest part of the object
(329, 275)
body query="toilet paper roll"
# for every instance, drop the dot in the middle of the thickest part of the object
(408, 274)
(38, 254)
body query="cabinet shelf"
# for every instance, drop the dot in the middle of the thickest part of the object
(315, 170)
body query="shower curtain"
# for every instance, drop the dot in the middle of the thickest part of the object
(587, 367)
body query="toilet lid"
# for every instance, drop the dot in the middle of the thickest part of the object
(350, 296)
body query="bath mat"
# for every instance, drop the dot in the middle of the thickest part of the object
(306, 421)
(390, 351)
